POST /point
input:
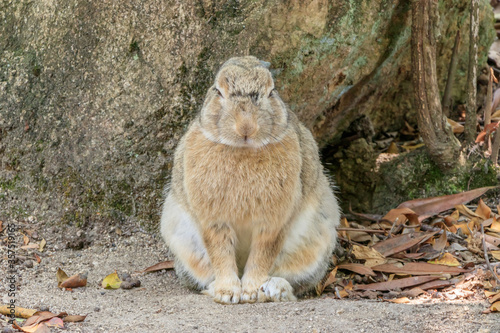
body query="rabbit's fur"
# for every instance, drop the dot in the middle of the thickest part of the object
(249, 214)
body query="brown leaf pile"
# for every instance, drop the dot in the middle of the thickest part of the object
(428, 246)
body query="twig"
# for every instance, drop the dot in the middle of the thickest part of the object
(369, 231)
(449, 235)
(486, 256)
(349, 241)
(451, 76)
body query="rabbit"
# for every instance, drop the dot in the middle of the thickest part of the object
(249, 214)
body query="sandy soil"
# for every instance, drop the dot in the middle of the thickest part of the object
(161, 304)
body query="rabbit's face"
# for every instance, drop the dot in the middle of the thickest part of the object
(242, 108)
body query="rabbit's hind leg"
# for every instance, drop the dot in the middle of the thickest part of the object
(192, 264)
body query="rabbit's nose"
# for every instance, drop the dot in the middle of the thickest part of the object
(247, 129)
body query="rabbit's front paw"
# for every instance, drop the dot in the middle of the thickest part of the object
(276, 289)
(250, 289)
(225, 292)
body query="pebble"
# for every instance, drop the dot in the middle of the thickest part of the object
(7, 330)
(28, 263)
(97, 309)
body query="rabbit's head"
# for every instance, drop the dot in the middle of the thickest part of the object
(242, 108)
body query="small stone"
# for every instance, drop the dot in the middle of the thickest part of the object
(125, 276)
(97, 309)
(7, 330)
(129, 284)
(44, 308)
(28, 263)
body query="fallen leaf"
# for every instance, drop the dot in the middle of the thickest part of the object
(496, 255)
(61, 277)
(30, 246)
(112, 281)
(75, 281)
(495, 226)
(495, 298)
(371, 256)
(18, 312)
(349, 286)
(401, 300)
(440, 242)
(432, 206)
(482, 210)
(36, 328)
(74, 318)
(26, 240)
(495, 307)
(169, 264)
(320, 287)
(400, 243)
(419, 268)
(343, 293)
(358, 268)
(37, 258)
(457, 127)
(413, 292)
(393, 148)
(410, 148)
(466, 211)
(55, 322)
(396, 284)
(447, 259)
(42, 245)
(396, 214)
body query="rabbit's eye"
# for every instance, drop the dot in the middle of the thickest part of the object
(218, 92)
(272, 93)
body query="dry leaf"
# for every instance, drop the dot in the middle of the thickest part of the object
(26, 240)
(74, 318)
(447, 259)
(431, 206)
(440, 242)
(401, 300)
(372, 256)
(42, 245)
(400, 243)
(358, 268)
(414, 292)
(419, 268)
(18, 312)
(343, 293)
(55, 322)
(410, 148)
(75, 281)
(496, 255)
(169, 264)
(61, 277)
(397, 284)
(457, 127)
(495, 307)
(30, 246)
(393, 148)
(112, 281)
(37, 258)
(320, 287)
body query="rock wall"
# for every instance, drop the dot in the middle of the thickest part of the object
(94, 95)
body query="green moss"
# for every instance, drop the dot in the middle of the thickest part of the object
(9, 184)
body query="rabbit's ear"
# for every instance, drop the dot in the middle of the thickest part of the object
(222, 84)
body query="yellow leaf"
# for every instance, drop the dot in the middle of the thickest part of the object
(488, 293)
(393, 148)
(26, 240)
(446, 259)
(343, 293)
(457, 128)
(372, 256)
(42, 245)
(482, 210)
(410, 148)
(61, 277)
(495, 307)
(496, 255)
(401, 300)
(495, 226)
(112, 281)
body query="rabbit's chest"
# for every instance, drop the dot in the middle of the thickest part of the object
(237, 185)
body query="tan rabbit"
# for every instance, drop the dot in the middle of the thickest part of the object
(249, 214)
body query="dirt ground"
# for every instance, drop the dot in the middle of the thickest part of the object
(161, 304)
